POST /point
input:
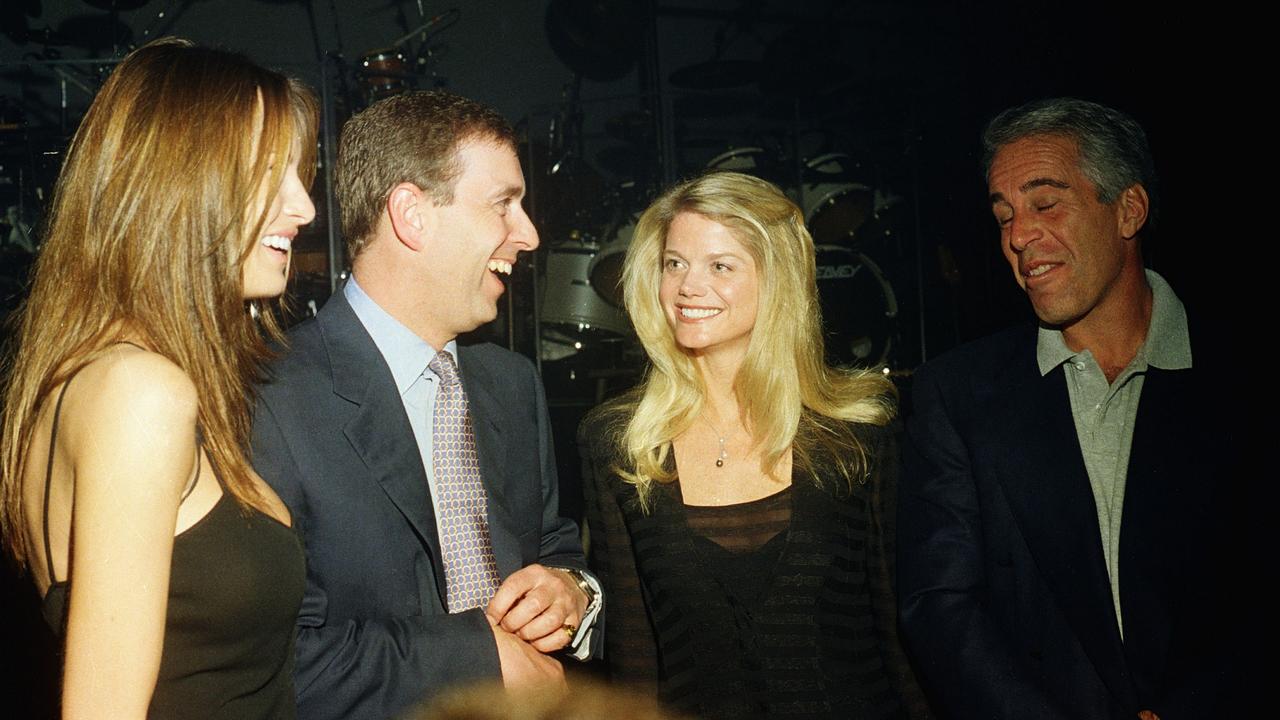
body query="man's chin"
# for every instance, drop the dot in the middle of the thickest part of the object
(1055, 317)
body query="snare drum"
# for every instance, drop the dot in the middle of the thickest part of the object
(383, 73)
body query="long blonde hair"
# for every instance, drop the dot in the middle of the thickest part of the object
(790, 397)
(150, 226)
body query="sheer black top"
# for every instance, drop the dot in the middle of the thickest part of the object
(780, 607)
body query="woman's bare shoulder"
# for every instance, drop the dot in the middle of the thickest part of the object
(129, 391)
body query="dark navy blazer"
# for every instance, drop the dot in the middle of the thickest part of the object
(1003, 591)
(331, 436)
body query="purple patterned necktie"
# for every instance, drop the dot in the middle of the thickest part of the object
(470, 568)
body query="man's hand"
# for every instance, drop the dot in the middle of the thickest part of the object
(523, 666)
(536, 603)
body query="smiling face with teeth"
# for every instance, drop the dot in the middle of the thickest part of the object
(709, 289)
(1068, 250)
(471, 243)
(266, 269)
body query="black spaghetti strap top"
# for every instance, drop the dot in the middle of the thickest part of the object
(235, 585)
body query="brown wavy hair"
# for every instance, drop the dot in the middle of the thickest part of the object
(149, 228)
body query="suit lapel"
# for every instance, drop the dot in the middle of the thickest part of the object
(1047, 486)
(488, 416)
(378, 429)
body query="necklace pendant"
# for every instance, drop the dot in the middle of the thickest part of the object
(719, 462)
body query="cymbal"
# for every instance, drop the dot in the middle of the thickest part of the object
(716, 74)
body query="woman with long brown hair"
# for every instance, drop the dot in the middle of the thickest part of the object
(740, 500)
(167, 565)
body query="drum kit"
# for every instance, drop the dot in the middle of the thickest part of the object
(587, 223)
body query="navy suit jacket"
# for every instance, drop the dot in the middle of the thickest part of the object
(331, 436)
(1003, 591)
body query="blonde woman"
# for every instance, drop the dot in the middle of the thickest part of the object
(740, 499)
(166, 564)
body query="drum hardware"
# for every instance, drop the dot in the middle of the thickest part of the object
(446, 18)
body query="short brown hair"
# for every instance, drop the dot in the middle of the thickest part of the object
(413, 137)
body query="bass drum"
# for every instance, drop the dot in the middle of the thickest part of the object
(836, 204)
(859, 308)
(574, 315)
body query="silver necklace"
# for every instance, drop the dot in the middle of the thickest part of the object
(724, 454)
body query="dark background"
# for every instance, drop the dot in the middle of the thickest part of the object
(899, 90)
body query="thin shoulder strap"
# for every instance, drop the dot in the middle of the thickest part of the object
(48, 477)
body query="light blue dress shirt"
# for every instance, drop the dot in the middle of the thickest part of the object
(408, 356)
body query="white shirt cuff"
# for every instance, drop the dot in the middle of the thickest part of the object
(580, 646)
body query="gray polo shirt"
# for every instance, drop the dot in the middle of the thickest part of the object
(1104, 412)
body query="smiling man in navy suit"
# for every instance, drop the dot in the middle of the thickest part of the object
(1062, 510)
(420, 472)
